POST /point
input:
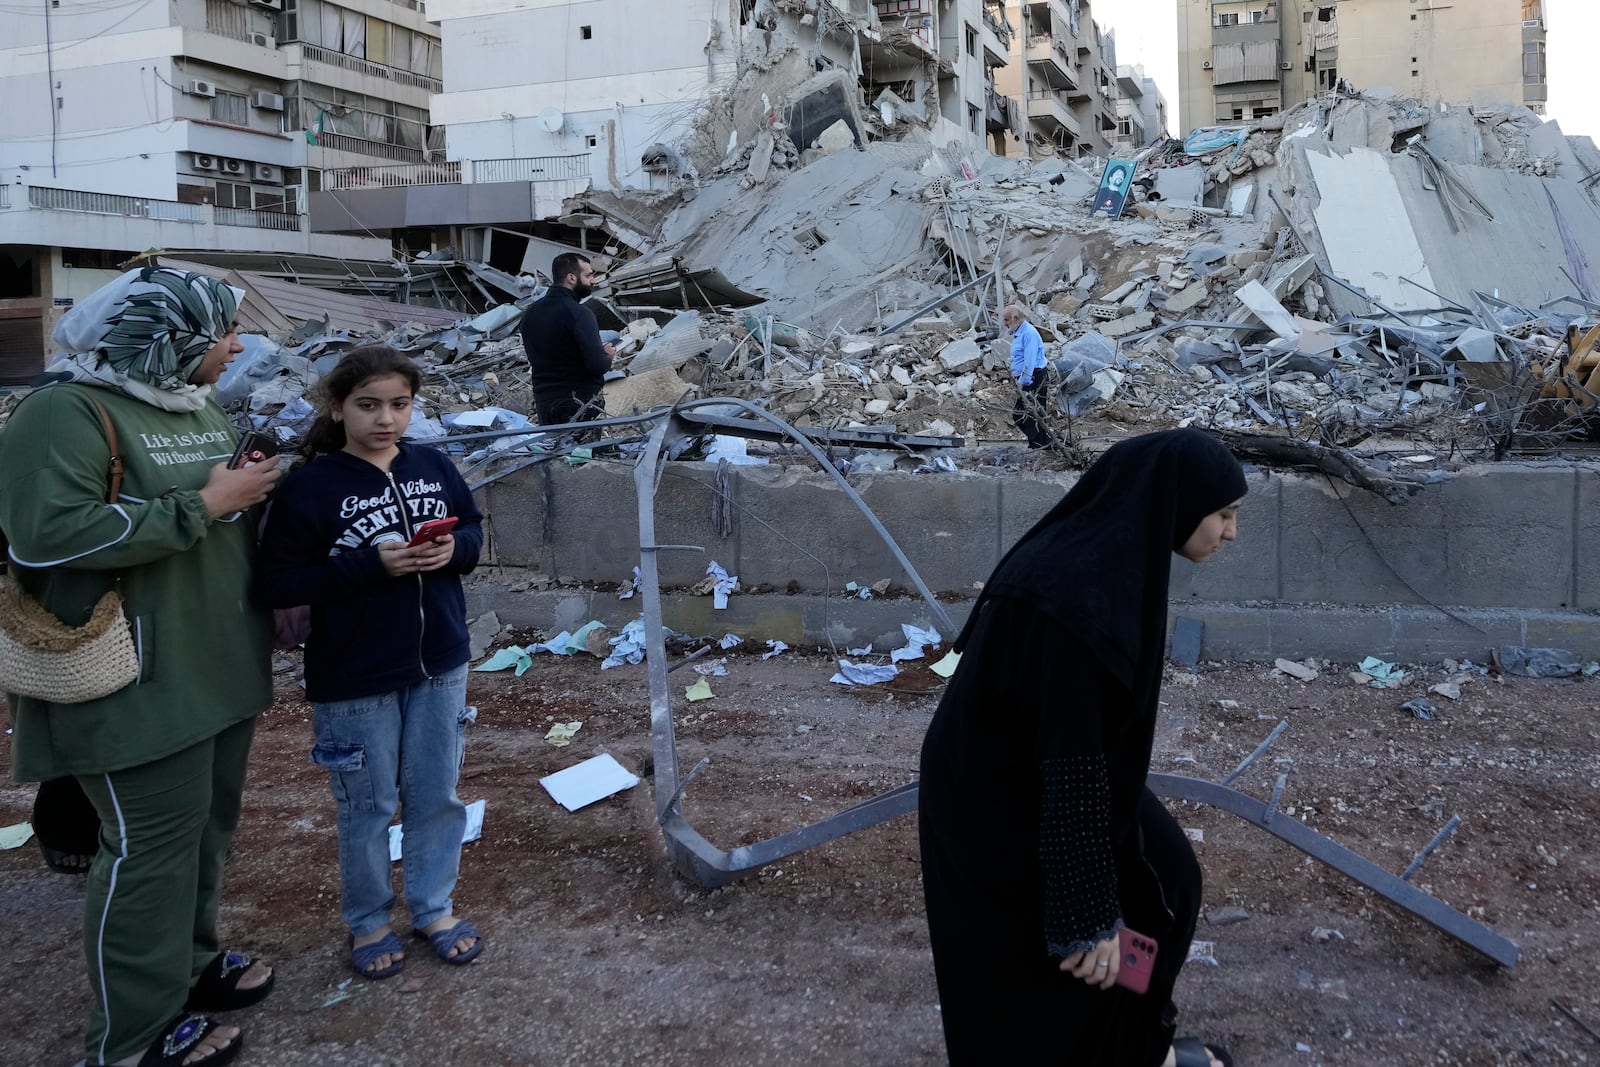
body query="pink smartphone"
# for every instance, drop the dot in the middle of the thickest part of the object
(1138, 960)
(432, 530)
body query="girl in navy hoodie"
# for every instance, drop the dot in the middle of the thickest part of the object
(386, 660)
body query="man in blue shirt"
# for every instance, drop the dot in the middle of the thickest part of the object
(1032, 372)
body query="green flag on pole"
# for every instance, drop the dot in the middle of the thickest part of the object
(314, 134)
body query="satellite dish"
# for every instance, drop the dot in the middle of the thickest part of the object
(552, 119)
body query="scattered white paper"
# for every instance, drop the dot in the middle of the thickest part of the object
(860, 591)
(1203, 952)
(717, 668)
(626, 647)
(469, 420)
(863, 673)
(473, 830)
(629, 587)
(728, 641)
(1195, 833)
(917, 641)
(15, 836)
(733, 449)
(947, 666)
(866, 651)
(774, 648)
(584, 783)
(726, 584)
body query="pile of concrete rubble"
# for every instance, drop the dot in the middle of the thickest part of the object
(1359, 270)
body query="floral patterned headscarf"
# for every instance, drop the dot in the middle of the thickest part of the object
(145, 334)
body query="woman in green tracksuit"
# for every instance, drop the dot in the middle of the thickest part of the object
(163, 759)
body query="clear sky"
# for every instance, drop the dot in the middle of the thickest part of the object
(1147, 33)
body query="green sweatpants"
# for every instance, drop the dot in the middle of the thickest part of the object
(150, 912)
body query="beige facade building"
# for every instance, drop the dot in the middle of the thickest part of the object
(1063, 70)
(1240, 60)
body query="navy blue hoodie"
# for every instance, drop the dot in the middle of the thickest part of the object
(370, 633)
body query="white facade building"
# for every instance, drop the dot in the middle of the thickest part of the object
(142, 125)
(1141, 110)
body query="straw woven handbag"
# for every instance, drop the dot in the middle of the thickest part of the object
(43, 658)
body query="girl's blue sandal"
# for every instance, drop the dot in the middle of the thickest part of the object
(365, 956)
(443, 941)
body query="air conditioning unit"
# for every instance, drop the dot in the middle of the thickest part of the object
(270, 5)
(263, 40)
(1286, 65)
(1206, 65)
(266, 101)
(266, 172)
(232, 166)
(201, 161)
(198, 87)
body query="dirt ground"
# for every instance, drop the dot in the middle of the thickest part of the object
(598, 954)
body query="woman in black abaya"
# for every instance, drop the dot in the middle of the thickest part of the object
(1039, 838)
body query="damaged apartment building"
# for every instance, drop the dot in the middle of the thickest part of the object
(1245, 60)
(543, 103)
(629, 97)
(194, 125)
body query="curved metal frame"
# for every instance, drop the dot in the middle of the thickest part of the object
(708, 866)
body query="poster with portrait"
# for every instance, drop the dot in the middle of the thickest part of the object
(1114, 185)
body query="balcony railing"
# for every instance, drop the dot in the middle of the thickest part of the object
(343, 142)
(375, 70)
(257, 219)
(390, 177)
(532, 169)
(140, 207)
(538, 169)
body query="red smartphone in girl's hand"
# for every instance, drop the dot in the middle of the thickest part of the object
(432, 530)
(1138, 960)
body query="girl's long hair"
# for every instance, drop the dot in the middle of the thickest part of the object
(358, 366)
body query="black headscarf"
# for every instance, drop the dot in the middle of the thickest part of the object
(1100, 561)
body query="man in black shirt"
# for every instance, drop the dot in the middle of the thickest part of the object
(562, 340)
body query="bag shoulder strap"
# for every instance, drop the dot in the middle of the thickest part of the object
(114, 467)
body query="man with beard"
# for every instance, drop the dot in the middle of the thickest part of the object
(562, 340)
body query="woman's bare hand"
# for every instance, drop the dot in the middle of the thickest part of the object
(229, 490)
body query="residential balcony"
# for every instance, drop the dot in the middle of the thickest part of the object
(1051, 111)
(318, 54)
(1129, 81)
(78, 218)
(450, 193)
(1267, 30)
(996, 36)
(1050, 60)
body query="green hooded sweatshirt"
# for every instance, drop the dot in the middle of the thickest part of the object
(204, 646)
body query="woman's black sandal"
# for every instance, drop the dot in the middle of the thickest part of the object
(217, 988)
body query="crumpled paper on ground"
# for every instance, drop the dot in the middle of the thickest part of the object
(562, 733)
(864, 673)
(774, 648)
(506, 658)
(916, 641)
(626, 647)
(718, 583)
(700, 690)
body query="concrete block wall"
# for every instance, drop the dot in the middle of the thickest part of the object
(1491, 556)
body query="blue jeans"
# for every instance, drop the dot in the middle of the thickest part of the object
(387, 752)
